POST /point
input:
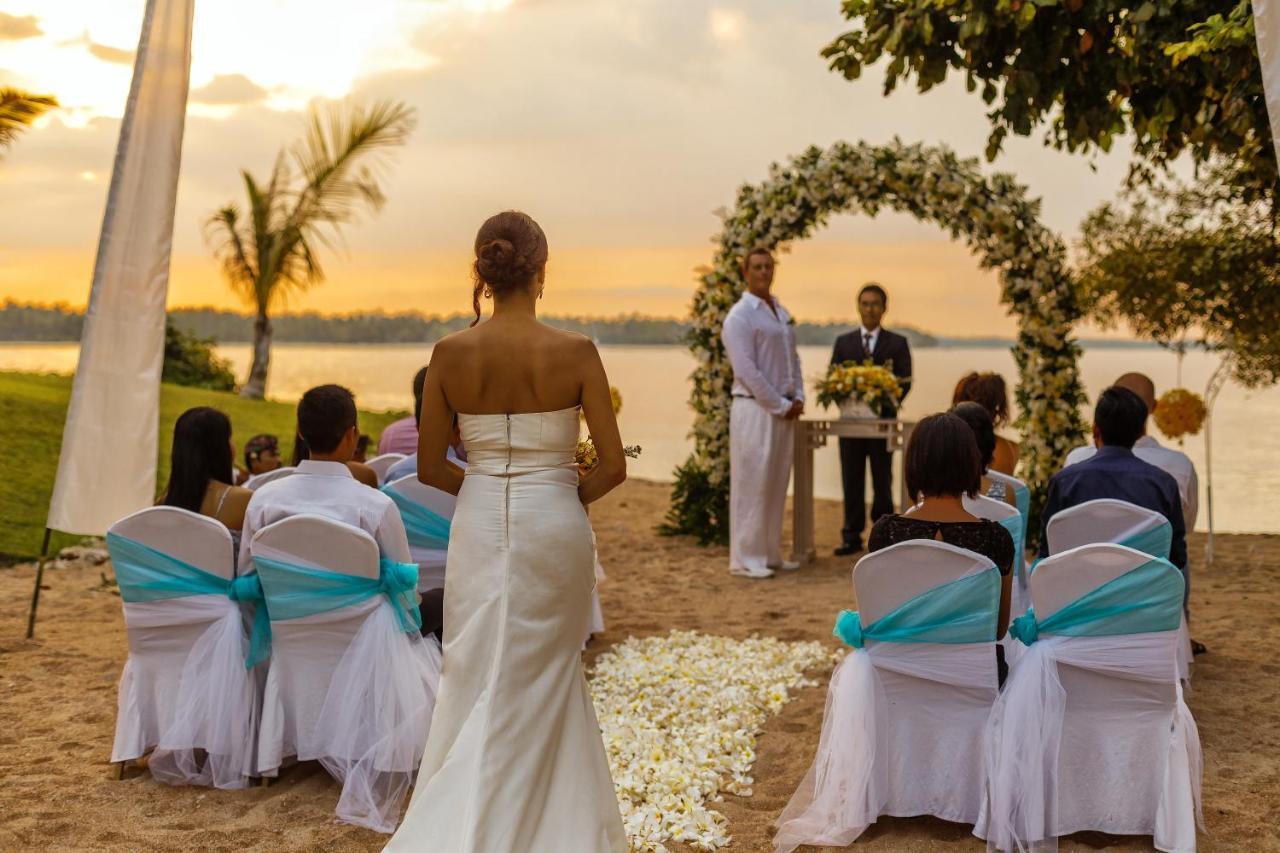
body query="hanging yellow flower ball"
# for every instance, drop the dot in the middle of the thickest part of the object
(616, 396)
(1180, 412)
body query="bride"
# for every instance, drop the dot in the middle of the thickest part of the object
(514, 761)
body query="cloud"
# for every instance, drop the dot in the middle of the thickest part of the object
(109, 54)
(14, 27)
(227, 89)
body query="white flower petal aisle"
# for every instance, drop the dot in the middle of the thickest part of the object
(680, 714)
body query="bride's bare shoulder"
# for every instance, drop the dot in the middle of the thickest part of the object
(454, 343)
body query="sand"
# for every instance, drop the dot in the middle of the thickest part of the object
(57, 702)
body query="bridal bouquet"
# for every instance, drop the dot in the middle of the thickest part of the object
(872, 385)
(586, 455)
(1180, 412)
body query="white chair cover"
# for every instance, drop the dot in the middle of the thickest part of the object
(1002, 513)
(382, 464)
(346, 687)
(1110, 520)
(431, 561)
(901, 733)
(1091, 732)
(184, 692)
(257, 481)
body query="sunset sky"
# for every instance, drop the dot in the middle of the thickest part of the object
(620, 126)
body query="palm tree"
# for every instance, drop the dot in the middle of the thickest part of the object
(18, 110)
(319, 184)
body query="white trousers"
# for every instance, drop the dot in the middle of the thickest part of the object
(760, 454)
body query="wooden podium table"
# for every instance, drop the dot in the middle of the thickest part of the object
(812, 434)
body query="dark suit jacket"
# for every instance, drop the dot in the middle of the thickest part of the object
(1114, 472)
(890, 347)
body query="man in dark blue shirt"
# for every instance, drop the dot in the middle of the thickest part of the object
(1114, 472)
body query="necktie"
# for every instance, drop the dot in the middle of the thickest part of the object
(866, 344)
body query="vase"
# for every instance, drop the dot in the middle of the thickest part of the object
(856, 410)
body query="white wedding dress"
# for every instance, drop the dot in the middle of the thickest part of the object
(514, 762)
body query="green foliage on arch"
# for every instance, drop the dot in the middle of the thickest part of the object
(990, 213)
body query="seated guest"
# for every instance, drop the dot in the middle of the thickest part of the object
(979, 420)
(455, 453)
(323, 483)
(362, 472)
(261, 454)
(1174, 462)
(402, 436)
(988, 390)
(1115, 472)
(943, 465)
(200, 469)
(362, 449)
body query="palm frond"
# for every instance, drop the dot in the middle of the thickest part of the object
(18, 109)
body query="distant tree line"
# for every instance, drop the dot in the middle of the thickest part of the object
(24, 322)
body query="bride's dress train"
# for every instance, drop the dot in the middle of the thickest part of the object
(514, 762)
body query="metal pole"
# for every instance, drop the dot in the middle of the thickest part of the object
(35, 593)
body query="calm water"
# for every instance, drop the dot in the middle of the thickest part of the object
(654, 386)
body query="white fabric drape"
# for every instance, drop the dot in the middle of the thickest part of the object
(1120, 754)
(901, 735)
(115, 398)
(185, 691)
(1268, 30)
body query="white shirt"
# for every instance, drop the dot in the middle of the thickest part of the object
(762, 351)
(869, 347)
(1176, 463)
(327, 489)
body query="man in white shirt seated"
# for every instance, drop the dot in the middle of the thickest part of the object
(1174, 462)
(323, 484)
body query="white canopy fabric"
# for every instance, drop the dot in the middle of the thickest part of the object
(107, 468)
(1268, 31)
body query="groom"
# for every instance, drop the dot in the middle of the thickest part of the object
(869, 341)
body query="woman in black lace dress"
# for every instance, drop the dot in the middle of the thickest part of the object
(942, 466)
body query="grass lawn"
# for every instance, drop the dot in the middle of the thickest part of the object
(33, 408)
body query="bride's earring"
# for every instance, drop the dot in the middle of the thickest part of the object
(488, 294)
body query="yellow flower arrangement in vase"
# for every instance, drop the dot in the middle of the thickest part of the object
(1180, 412)
(860, 390)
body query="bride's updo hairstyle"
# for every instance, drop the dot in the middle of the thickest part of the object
(510, 252)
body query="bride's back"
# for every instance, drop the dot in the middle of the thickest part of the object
(513, 364)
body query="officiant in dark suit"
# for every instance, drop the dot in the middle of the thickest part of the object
(869, 341)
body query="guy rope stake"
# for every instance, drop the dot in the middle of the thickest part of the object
(35, 592)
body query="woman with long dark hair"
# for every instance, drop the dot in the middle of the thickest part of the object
(200, 468)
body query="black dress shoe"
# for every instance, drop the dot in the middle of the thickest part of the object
(1197, 648)
(848, 548)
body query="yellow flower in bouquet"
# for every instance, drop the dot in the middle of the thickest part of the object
(1180, 412)
(867, 383)
(586, 455)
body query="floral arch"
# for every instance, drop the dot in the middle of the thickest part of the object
(991, 213)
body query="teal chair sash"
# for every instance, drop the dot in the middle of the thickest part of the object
(1157, 542)
(960, 611)
(1141, 601)
(1017, 527)
(425, 528)
(1022, 499)
(294, 591)
(145, 574)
